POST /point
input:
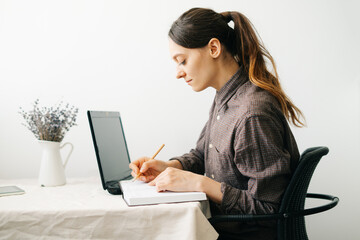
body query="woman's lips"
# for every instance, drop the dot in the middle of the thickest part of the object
(188, 81)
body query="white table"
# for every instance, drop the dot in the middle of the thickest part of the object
(81, 209)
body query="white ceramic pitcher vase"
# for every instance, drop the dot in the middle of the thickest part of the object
(52, 167)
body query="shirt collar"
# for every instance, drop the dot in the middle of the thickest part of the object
(230, 87)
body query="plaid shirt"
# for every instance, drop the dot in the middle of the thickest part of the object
(247, 146)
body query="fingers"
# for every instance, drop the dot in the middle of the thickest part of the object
(135, 169)
(136, 165)
(159, 187)
(147, 179)
(163, 181)
(146, 166)
(152, 183)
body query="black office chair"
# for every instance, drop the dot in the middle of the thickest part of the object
(290, 218)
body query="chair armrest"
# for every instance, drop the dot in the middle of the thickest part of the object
(309, 211)
(333, 202)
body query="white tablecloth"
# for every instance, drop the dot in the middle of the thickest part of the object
(81, 209)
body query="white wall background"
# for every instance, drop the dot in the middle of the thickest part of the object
(113, 55)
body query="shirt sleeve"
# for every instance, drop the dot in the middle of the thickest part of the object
(260, 155)
(194, 160)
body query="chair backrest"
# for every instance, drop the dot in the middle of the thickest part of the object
(293, 201)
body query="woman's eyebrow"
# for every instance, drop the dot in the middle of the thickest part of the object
(176, 55)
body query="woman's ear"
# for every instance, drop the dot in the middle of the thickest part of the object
(215, 47)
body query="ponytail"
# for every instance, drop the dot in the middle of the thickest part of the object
(251, 53)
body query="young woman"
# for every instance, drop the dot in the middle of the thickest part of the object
(246, 153)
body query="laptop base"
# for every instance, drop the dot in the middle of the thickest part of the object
(114, 188)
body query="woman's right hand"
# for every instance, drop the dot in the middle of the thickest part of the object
(150, 168)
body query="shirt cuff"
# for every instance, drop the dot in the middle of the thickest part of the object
(230, 197)
(186, 165)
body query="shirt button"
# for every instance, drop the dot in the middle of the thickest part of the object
(210, 145)
(218, 117)
(212, 175)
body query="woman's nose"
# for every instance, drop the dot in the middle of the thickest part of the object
(180, 74)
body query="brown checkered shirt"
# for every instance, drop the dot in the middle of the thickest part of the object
(247, 146)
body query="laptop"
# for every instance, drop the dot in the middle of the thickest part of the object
(110, 148)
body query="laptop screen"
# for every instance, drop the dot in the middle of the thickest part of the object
(110, 146)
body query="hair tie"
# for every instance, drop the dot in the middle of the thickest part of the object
(226, 16)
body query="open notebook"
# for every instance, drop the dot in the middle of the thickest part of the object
(140, 193)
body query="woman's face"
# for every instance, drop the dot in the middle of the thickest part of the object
(195, 66)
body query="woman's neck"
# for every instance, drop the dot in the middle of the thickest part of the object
(227, 69)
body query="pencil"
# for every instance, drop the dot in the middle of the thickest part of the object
(149, 160)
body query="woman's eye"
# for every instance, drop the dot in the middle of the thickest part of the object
(182, 63)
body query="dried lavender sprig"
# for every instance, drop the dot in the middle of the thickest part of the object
(52, 123)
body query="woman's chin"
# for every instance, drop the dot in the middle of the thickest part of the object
(196, 87)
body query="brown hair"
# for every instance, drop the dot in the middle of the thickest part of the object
(195, 28)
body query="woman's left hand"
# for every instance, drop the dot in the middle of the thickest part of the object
(173, 179)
